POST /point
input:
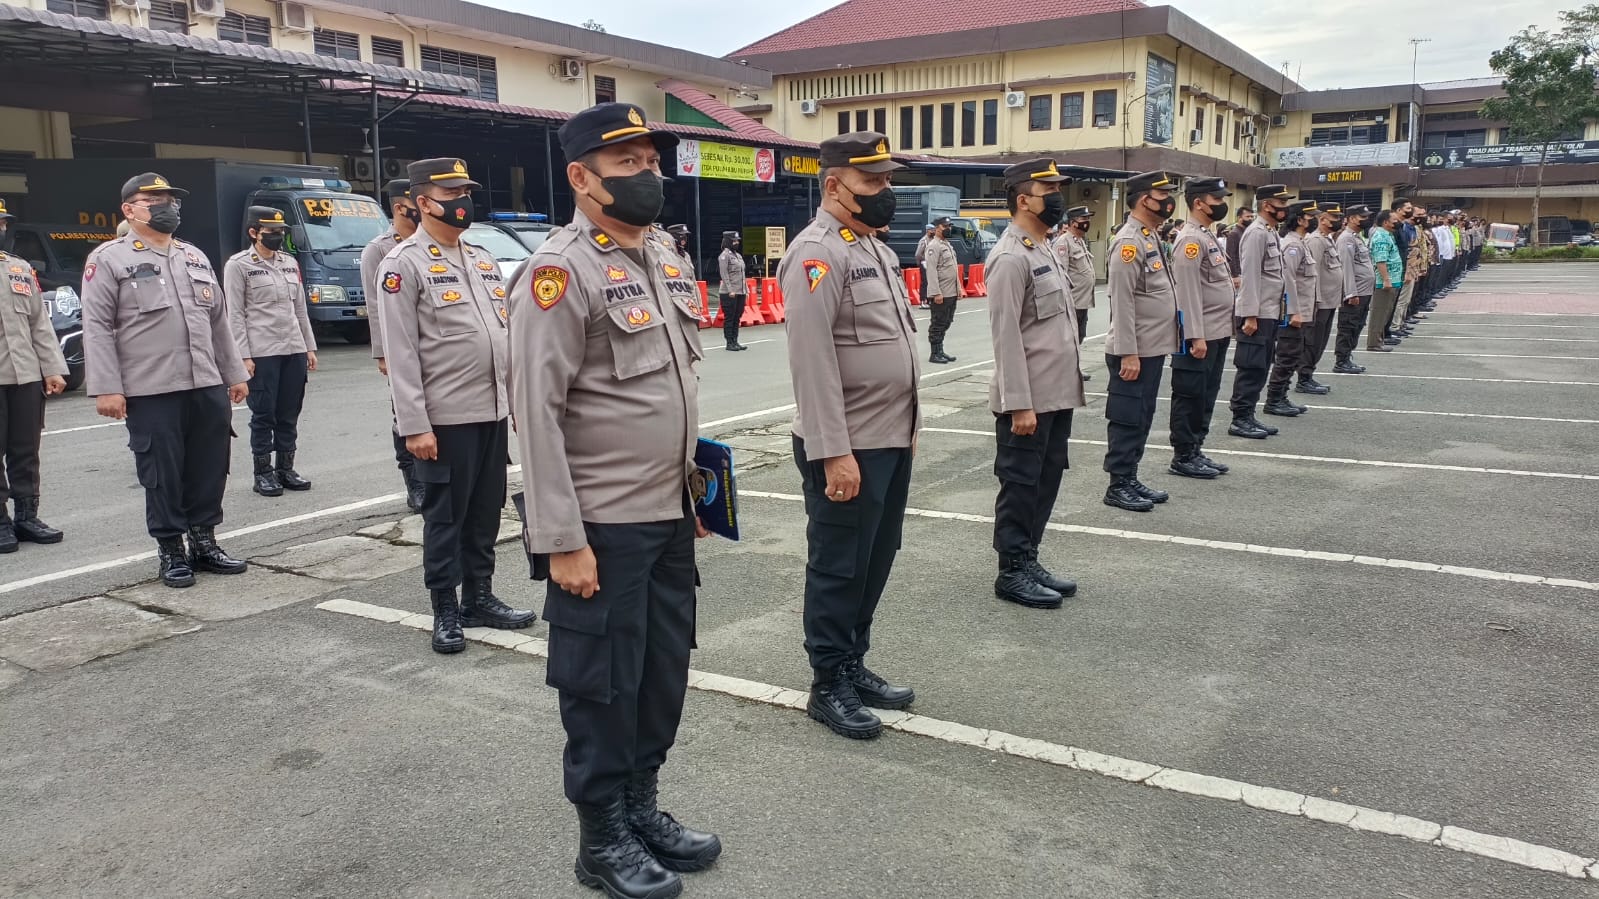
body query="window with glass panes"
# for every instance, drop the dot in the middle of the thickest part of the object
(1104, 108)
(88, 9)
(242, 29)
(604, 89)
(337, 44)
(1038, 110)
(467, 65)
(1071, 110)
(969, 123)
(927, 125)
(843, 122)
(388, 52)
(169, 15)
(907, 127)
(946, 124)
(990, 122)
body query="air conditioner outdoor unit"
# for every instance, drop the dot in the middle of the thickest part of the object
(1102, 121)
(361, 168)
(1015, 99)
(1249, 127)
(571, 69)
(295, 17)
(212, 9)
(1196, 136)
(1379, 119)
(133, 4)
(1279, 121)
(809, 107)
(395, 168)
(1258, 160)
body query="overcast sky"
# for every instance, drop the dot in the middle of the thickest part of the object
(1346, 43)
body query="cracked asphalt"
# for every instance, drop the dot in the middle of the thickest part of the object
(234, 739)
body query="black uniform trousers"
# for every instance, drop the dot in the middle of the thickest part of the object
(181, 442)
(1195, 384)
(733, 310)
(943, 317)
(21, 426)
(620, 658)
(1029, 468)
(1316, 342)
(402, 456)
(1351, 320)
(1252, 359)
(851, 548)
(1130, 413)
(277, 393)
(1082, 325)
(1292, 344)
(463, 491)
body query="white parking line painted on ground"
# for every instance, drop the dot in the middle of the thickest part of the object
(723, 347)
(1498, 325)
(1402, 353)
(1519, 314)
(1467, 337)
(1174, 780)
(1370, 374)
(1291, 457)
(1330, 408)
(1228, 546)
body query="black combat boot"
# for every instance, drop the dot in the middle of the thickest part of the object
(1270, 430)
(481, 608)
(939, 357)
(174, 566)
(205, 555)
(1279, 405)
(1064, 586)
(447, 636)
(1148, 492)
(8, 534)
(28, 525)
(413, 488)
(1016, 585)
(1348, 367)
(1122, 495)
(266, 480)
(676, 847)
(1246, 427)
(612, 858)
(1312, 387)
(1220, 468)
(1189, 465)
(287, 476)
(835, 703)
(874, 690)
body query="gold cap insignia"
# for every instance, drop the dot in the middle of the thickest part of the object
(882, 146)
(460, 167)
(634, 117)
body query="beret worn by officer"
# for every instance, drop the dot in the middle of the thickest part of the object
(1273, 192)
(1034, 170)
(150, 183)
(1354, 211)
(864, 150)
(1199, 187)
(4, 213)
(606, 124)
(443, 172)
(1296, 210)
(1148, 181)
(1079, 212)
(397, 188)
(266, 217)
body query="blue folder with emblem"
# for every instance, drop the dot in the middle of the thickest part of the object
(714, 489)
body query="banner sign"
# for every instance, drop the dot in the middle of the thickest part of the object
(725, 162)
(1160, 105)
(1341, 157)
(801, 165)
(776, 242)
(1564, 152)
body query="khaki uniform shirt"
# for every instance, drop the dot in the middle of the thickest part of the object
(1034, 331)
(155, 321)
(28, 348)
(1143, 302)
(1260, 271)
(732, 271)
(1204, 283)
(371, 261)
(266, 304)
(444, 334)
(1360, 276)
(1079, 267)
(607, 402)
(1329, 270)
(851, 342)
(943, 271)
(1303, 281)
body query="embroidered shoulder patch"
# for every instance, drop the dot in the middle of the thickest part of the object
(1191, 251)
(549, 285)
(815, 271)
(391, 282)
(1129, 252)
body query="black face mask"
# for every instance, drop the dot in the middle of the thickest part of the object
(272, 241)
(1337, 223)
(877, 210)
(635, 199)
(164, 218)
(1054, 210)
(457, 213)
(413, 214)
(1218, 212)
(1406, 214)
(1164, 208)
(1081, 226)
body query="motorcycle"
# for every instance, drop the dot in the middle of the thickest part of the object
(66, 316)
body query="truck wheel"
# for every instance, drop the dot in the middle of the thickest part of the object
(356, 333)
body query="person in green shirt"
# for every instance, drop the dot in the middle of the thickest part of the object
(1390, 276)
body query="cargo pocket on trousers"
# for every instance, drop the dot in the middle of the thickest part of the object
(834, 537)
(1124, 403)
(580, 647)
(434, 476)
(1187, 381)
(1020, 457)
(1252, 353)
(144, 461)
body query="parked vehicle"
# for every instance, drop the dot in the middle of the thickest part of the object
(917, 206)
(1581, 233)
(58, 252)
(508, 251)
(530, 228)
(66, 316)
(1502, 236)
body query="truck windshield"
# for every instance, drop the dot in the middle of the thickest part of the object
(72, 248)
(341, 223)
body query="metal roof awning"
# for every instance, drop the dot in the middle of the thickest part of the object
(46, 38)
(958, 166)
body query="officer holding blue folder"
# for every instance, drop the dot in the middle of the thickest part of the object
(1205, 298)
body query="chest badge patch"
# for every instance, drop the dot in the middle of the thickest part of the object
(1129, 252)
(138, 245)
(438, 269)
(638, 316)
(815, 271)
(1191, 251)
(435, 252)
(847, 234)
(485, 266)
(671, 271)
(1028, 243)
(615, 275)
(391, 282)
(504, 314)
(499, 293)
(205, 293)
(549, 285)
(15, 269)
(451, 296)
(20, 287)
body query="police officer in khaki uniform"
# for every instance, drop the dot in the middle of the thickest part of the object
(852, 355)
(1303, 288)
(1203, 281)
(31, 367)
(404, 225)
(444, 338)
(1323, 250)
(1360, 282)
(1143, 331)
(1073, 247)
(159, 354)
(605, 329)
(266, 308)
(735, 289)
(680, 235)
(943, 288)
(1259, 308)
(1032, 393)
